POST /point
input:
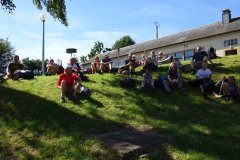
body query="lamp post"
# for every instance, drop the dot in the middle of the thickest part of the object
(157, 25)
(118, 56)
(43, 18)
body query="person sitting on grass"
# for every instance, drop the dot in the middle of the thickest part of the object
(162, 60)
(175, 60)
(198, 58)
(51, 68)
(106, 64)
(147, 80)
(96, 65)
(75, 66)
(144, 61)
(14, 68)
(174, 78)
(231, 90)
(202, 77)
(130, 65)
(134, 59)
(153, 61)
(68, 83)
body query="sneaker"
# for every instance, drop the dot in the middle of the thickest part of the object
(205, 95)
(153, 90)
(180, 90)
(99, 71)
(62, 99)
(168, 92)
(193, 71)
(232, 100)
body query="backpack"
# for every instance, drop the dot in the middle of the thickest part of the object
(89, 71)
(83, 77)
(212, 53)
(78, 65)
(26, 74)
(85, 90)
(127, 82)
(159, 81)
(60, 70)
(114, 70)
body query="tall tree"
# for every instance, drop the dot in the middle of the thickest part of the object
(6, 54)
(83, 59)
(56, 8)
(33, 64)
(97, 49)
(123, 42)
(107, 49)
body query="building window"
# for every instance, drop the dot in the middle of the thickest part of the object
(139, 58)
(179, 56)
(169, 55)
(232, 52)
(188, 55)
(230, 42)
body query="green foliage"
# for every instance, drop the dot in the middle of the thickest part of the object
(97, 49)
(6, 54)
(83, 59)
(123, 42)
(107, 49)
(8, 5)
(35, 125)
(33, 64)
(56, 8)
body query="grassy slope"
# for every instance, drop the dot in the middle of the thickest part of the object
(34, 124)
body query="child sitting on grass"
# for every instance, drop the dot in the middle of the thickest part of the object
(147, 80)
(231, 90)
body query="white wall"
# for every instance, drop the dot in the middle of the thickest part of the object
(217, 42)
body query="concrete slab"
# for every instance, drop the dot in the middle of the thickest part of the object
(131, 143)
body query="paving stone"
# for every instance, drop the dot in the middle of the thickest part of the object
(131, 143)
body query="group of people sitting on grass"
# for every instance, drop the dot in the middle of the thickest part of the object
(70, 81)
(203, 76)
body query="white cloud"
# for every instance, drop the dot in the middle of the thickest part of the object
(55, 45)
(135, 13)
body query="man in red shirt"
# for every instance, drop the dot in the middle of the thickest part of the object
(68, 83)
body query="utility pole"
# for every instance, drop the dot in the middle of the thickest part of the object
(157, 25)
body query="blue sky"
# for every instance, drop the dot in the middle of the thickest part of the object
(105, 21)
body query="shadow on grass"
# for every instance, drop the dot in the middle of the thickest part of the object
(23, 113)
(207, 128)
(198, 127)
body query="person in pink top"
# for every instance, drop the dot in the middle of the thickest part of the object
(68, 83)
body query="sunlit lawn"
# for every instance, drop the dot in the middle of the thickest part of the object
(35, 125)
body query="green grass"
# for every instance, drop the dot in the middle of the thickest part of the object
(35, 125)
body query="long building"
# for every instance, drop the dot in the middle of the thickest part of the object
(222, 35)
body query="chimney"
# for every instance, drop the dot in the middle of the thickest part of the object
(226, 16)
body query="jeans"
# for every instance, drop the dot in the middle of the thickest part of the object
(178, 81)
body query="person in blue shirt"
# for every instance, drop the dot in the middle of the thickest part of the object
(231, 90)
(106, 64)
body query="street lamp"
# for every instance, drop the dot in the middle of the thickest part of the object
(118, 56)
(157, 25)
(43, 18)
